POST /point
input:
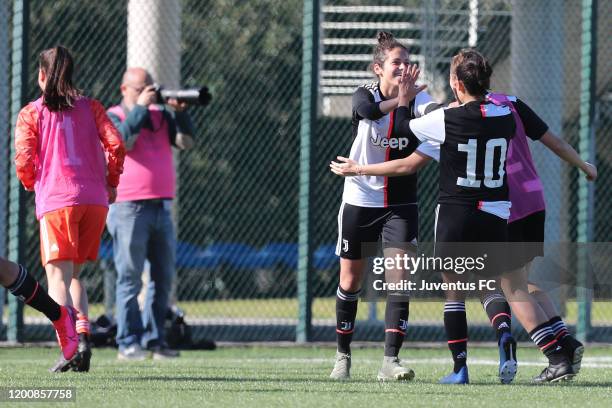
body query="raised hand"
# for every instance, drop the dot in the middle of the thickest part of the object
(408, 89)
(147, 96)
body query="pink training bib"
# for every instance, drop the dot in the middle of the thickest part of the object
(71, 167)
(524, 185)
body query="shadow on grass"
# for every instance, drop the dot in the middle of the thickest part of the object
(245, 379)
(565, 384)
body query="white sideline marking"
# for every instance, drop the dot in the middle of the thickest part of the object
(587, 362)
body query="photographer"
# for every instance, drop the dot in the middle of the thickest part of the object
(140, 221)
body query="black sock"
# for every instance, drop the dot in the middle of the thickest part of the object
(396, 323)
(346, 311)
(544, 338)
(455, 323)
(498, 310)
(29, 291)
(558, 327)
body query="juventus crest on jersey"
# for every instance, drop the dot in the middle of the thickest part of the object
(376, 141)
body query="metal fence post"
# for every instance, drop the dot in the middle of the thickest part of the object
(586, 147)
(540, 84)
(154, 43)
(16, 227)
(310, 69)
(5, 57)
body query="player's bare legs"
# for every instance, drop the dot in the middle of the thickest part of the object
(78, 292)
(524, 305)
(8, 272)
(543, 300)
(81, 303)
(351, 274)
(59, 277)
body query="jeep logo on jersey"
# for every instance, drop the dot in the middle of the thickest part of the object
(394, 143)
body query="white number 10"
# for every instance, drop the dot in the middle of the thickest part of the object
(470, 171)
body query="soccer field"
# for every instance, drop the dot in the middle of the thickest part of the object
(298, 376)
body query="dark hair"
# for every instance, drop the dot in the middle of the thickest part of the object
(471, 68)
(59, 93)
(385, 42)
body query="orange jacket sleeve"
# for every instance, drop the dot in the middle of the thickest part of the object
(26, 143)
(111, 139)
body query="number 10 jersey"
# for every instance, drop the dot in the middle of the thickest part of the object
(473, 140)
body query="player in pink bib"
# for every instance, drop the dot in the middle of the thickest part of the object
(60, 143)
(528, 211)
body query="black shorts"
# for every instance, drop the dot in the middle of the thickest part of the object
(527, 238)
(360, 228)
(464, 231)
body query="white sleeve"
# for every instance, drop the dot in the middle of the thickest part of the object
(430, 149)
(421, 102)
(430, 126)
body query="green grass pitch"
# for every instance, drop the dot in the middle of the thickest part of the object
(298, 376)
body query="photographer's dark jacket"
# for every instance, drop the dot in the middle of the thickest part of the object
(148, 134)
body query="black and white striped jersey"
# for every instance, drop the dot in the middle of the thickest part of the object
(473, 140)
(374, 141)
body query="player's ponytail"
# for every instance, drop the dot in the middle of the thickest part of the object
(385, 42)
(59, 93)
(471, 68)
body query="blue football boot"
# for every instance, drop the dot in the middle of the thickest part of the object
(457, 378)
(507, 358)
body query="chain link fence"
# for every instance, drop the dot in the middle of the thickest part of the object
(237, 205)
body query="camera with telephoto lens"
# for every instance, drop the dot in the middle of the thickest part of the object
(194, 96)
